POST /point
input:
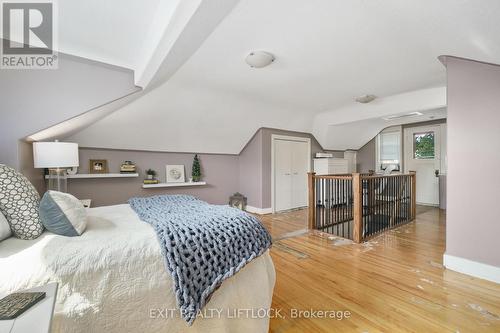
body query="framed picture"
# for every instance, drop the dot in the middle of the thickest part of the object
(98, 166)
(175, 174)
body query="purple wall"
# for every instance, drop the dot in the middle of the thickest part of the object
(472, 226)
(219, 171)
(33, 100)
(266, 158)
(366, 158)
(255, 165)
(250, 171)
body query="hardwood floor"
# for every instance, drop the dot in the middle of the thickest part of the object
(393, 283)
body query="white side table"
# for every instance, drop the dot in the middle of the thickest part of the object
(36, 319)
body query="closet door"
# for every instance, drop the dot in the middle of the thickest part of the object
(300, 167)
(283, 174)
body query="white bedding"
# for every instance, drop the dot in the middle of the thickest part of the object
(112, 279)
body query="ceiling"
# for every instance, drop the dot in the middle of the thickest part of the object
(330, 51)
(327, 53)
(137, 35)
(112, 31)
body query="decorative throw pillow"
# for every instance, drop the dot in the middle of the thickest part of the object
(63, 214)
(4, 228)
(19, 203)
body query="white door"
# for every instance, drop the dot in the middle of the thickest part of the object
(283, 174)
(291, 164)
(422, 150)
(300, 167)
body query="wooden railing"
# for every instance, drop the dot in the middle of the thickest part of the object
(360, 206)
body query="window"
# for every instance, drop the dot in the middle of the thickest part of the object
(389, 147)
(423, 145)
(388, 150)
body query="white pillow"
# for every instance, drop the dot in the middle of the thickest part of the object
(4, 228)
(62, 214)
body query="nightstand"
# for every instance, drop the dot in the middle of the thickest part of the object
(36, 319)
(86, 202)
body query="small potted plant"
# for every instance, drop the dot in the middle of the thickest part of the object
(150, 174)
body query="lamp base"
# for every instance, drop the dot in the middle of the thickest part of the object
(58, 180)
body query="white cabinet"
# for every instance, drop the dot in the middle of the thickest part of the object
(291, 164)
(331, 166)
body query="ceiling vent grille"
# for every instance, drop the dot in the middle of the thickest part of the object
(402, 116)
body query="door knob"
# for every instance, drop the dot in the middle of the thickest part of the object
(436, 172)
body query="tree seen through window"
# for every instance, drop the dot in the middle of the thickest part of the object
(424, 145)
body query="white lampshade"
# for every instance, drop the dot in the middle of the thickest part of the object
(55, 154)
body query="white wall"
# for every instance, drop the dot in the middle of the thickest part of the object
(179, 117)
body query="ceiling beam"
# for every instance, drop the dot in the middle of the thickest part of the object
(190, 24)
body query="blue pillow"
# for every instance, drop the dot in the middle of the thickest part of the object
(63, 214)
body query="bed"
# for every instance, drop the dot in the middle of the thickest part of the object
(113, 279)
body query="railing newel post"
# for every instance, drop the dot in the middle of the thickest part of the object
(311, 213)
(413, 175)
(357, 189)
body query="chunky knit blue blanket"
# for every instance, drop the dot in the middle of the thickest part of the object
(202, 244)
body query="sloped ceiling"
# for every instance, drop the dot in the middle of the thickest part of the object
(327, 53)
(353, 125)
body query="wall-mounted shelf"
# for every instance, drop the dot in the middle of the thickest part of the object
(99, 175)
(160, 185)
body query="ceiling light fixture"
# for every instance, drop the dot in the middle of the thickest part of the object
(259, 59)
(400, 116)
(365, 99)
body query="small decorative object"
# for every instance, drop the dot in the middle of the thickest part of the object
(150, 177)
(238, 200)
(196, 170)
(150, 174)
(72, 171)
(13, 305)
(98, 166)
(128, 167)
(175, 174)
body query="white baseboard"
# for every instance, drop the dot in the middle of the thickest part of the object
(473, 268)
(260, 211)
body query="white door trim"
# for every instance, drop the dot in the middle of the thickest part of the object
(275, 137)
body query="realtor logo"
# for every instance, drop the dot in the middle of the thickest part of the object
(28, 35)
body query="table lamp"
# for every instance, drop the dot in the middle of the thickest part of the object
(57, 157)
